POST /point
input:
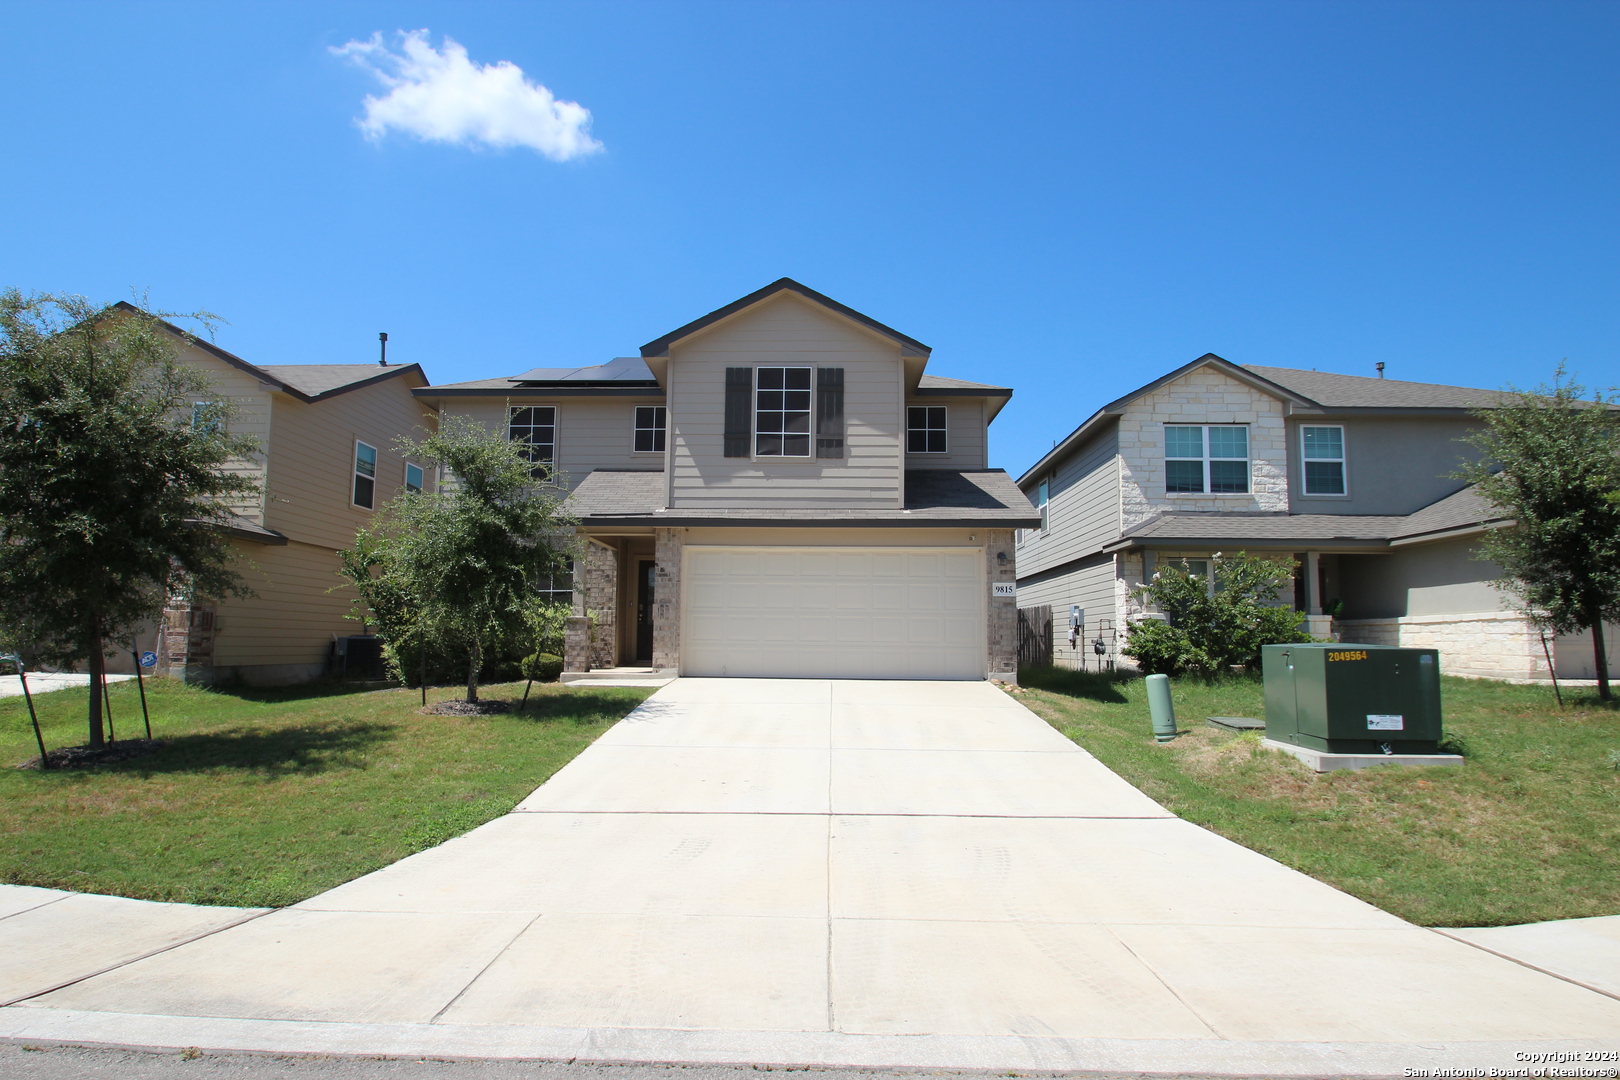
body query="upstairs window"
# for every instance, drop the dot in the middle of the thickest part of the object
(649, 430)
(365, 475)
(206, 416)
(925, 429)
(413, 478)
(1040, 504)
(782, 412)
(1323, 450)
(1206, 458)
(534, 428)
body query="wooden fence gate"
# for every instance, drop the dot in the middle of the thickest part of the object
(1035, 636)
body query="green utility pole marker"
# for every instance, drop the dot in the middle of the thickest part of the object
(1161, 708)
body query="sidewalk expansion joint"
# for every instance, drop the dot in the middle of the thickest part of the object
(1527, 964)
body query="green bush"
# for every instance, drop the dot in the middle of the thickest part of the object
(542, 667)
(1207, 631)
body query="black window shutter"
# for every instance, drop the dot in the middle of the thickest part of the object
(739, 387)
(830, 412)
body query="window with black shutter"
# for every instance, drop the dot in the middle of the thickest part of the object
(829, 412)
(739, 388)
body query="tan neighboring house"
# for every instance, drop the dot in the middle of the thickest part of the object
(775, 489)
(326, 464)
(1350, 476)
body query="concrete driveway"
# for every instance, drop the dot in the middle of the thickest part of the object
(815, 872)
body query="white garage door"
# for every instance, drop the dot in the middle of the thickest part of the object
(888, 613)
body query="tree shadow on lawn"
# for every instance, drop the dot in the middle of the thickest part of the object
(1095, 685)
(304, 750)
(575, 706)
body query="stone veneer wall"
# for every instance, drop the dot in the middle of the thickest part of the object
(1001, 631)
(1204, 396)
(668, 545)
(601, 603)
(186, 643)
(1491, 644)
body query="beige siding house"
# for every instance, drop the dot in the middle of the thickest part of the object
(325, 464)
(775, 489)
(1350, 476)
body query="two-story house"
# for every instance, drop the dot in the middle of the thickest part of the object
(326, 464)
(776, 489)
(1351, 477)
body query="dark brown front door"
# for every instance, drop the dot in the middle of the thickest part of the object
(644, 611)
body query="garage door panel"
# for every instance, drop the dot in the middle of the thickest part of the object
(833, 613)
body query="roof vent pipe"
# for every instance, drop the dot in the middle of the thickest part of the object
(1379, 365)
(383, 337)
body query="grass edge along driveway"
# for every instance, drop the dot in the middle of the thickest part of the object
(263, 798)
(1527, 830)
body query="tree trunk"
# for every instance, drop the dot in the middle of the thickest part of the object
(98, 675)
(475, 660)
(1600, 661)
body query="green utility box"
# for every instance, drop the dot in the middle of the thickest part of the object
(1353, 699)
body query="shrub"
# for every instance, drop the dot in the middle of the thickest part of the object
(1208, 631)
(542, 667)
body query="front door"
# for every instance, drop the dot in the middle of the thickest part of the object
(644, 611)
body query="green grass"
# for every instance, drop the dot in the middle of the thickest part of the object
(265, 798)
(1527, 830)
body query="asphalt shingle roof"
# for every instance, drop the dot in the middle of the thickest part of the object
(981, 498)
(1356, 391)
(1456, 511)
(317, 379)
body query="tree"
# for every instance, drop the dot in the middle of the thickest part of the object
(1206, 630)
(1550, 463)
(464, 566)
(112, 477)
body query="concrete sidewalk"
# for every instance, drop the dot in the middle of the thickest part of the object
(828, 873)
(43, 682)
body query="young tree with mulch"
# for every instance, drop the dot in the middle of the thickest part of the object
(112, 479)
(464, 566)
(1551, 462)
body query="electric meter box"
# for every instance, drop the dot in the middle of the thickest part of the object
(1353, 699)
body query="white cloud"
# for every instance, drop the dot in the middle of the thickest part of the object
(442, 96)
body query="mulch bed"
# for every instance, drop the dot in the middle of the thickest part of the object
(466, 708)
(86, 757)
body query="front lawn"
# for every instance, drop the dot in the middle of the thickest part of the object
(265, 798)
(1527, 830)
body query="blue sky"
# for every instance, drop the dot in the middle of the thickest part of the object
(1070, 199)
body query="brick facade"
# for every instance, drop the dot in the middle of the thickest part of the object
(600, 598)
(186, 644)
(669, 543)
(1001, 631)
(1491, 644)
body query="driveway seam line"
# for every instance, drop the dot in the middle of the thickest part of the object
(1525, 963)
(136, 959)
(41, 904)
(434, 1019)
(1151, 970)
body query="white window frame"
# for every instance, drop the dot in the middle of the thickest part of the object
(1342, 461)
(421, 477)
(551, 457)
(659, 426)
(197, 421)
(1043, 500)
(356, 475)
(928, 428)
(810, 412)
(1207, 459)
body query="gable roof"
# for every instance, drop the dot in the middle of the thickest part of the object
(308, 383)
(909, 346)
(1334, 391)
(1314, 390)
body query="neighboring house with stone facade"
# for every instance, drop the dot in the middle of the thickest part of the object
(1350, 476)
(775, 489)
(326, 464)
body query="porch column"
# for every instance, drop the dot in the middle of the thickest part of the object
(668, 545)
(1001, 630)
(1313, 583)
(601, 602)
